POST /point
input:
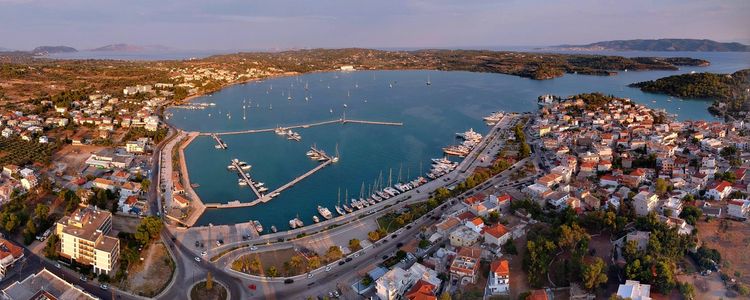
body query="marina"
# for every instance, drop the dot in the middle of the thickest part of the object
(219, 143)
(428, 119)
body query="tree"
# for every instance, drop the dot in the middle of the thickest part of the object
(313, 262)
(424, 243)
(367, 280)
(41, 211)
(209, 281)
(145, 184)
(510, 248)
(445, 296)
(334, 253)
(148, 229)
(494, 216)
(691, 214)
(296, 262)
(373, 236)
(272, 272)
(12, 223)
(687, 290)
(254, 264)
(661, 186)
(594, 274)
(354, 245)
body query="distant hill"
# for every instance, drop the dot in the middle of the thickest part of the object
(131, 48)
(44, 50)
(659, 45)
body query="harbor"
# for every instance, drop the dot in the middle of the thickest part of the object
(320, 155)
(219, 143)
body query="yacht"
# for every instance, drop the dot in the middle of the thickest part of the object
(241, 182)
(443, 160)
(325, 212)
(245, 166)
(258, 226)
(295, 223)
(280, 130)
(457, 150)
(493, 118)
(470, 135)
(263, 189)
(347, 208)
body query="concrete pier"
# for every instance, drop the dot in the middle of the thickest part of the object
(219, 143)
(308, 125)
(246, 179)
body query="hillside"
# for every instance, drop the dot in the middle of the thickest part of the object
(44, 50)
(659, 45)
(729, 90)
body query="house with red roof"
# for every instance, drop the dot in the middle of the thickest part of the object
(719, 190)
(422, 290)
(476, 224)
(499, 279)
(496, 234)
(9, 254)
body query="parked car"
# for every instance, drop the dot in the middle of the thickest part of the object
(197, 259)
(288, 281)
(104, 286)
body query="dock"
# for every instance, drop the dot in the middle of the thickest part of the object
(219, 143)
(341, 120)
(246, 179)
(265, 198)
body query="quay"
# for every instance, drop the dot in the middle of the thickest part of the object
(219, 143)
(265, 198)
(246, 179)
(342, 120)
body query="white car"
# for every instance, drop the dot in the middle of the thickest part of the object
(197, 259)
(253, 248)
(204, 253)
(309, 275)
(328, 268)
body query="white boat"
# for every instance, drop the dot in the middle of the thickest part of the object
(242, 182)
(258, 226)
(273, 229)
(316, 219)
(340, 210)
(325, 212)
(245, 166)
(263, 189)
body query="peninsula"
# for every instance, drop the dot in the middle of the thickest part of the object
(658, 45)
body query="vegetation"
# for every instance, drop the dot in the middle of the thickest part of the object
(729, 90)
(16, 151)
(148, 229)
(660, 45)
(203, 291)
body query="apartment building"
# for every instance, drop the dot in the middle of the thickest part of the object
(83, 238)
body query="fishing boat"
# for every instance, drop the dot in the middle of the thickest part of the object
(258, 226)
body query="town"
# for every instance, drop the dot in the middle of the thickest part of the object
(590, 196)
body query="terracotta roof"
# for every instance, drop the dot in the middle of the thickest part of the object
(497, 230)
(503, 197)
(465, 216)
(421, 290)
(721, 186)
(537, 295)
(9, 249)
(477, 221)
(131, 200)
(500, 268)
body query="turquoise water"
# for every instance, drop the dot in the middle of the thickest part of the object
(431, 115)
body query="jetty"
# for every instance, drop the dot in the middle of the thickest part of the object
(268, 197)
(246, 179)
(342, 120)
(219, 143)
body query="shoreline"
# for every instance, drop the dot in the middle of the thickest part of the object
(197, 206)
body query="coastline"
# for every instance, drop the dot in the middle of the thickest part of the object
(197, 206)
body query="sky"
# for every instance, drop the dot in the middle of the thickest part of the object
(285, 24)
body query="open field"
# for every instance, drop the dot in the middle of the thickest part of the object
(732, 240)
(150, 276)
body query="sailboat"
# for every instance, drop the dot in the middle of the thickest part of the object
(290, 95)
(270, 106)
(428, 80)
(244, 113)
(331, 110)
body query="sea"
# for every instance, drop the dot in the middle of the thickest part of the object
(375, 155)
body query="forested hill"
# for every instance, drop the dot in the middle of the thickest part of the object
(729, 90)
(659, 45)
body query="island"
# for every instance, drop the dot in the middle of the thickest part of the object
(45, 50)
(730, 91)
(658, 45)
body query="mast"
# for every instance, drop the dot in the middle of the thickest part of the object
(399, 171)
(362, 190)
(390, 176)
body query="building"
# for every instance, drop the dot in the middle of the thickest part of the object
(394, 284)
(107, 158)
(634, 290)
(83, 238)
(645, 202)
(463, 237)
(738, 208)
(422, 290)
(499, 279)
(9, 254)
(465, 265)
(44, 285)
(476, 224)
(104, 184)
(137, 146)
(497, 235)
(719, 191)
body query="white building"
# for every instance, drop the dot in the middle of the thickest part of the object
(634, 290)
(394, 284)
(738, 208)
(499, 279)
(645, 202)
(9, 254)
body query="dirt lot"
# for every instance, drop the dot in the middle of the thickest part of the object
(74, 157)
(150, 276)
(274, 258)
(124, 224)
(731, 240)
(519, 281)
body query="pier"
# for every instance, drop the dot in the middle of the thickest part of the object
(265, 198)
(219, 143)
(246, 179)
(342, 120)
